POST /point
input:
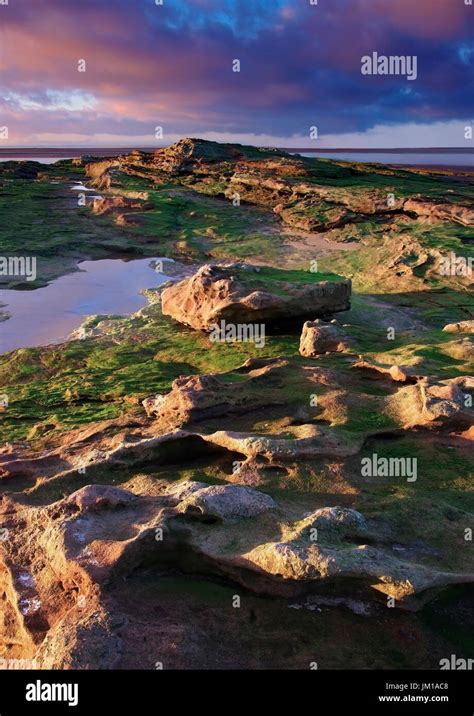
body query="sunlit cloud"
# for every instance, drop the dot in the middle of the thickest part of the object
(171, 66)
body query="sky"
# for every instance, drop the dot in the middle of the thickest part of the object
(171, 66)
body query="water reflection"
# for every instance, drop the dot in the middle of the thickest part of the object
(49, 314)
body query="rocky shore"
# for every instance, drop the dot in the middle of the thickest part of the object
(163, 485)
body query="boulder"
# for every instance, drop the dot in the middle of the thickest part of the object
(97, 497)
(337, 517)
(226, 503)
(317, 338)
(216, 294)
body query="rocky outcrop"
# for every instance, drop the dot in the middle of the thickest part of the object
(66, 566)
(286, 184)
(460, 327)
(252, 476)
(430, 402)
(461, 349)
(216, 294)
(95, 170)
(191, 153)
(263, 411)
(200, 397)
(434, 213)
(74, 565)
(295, 561)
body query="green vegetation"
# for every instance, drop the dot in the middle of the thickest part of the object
(99, 378)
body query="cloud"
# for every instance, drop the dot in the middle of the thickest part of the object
(51, 101)
(425, 18)
(171, 65)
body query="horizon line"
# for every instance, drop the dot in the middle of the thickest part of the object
(4, 151)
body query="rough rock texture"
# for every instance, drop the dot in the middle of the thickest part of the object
(398, 373)
(302, 562)
(430, 402)
(461, 327)
(434, 213)
(100, 173)
(95, 170)
(67, 566)
(226, 503)
(261, 411)
(95, 497)
(81, 641)
(276, 180)
(214, 294)
(337, 517)
(461, 349)
(61, 586)
(317, 338)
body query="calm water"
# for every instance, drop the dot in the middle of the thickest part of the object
(419, 159)
(41, 160)
(49, 314)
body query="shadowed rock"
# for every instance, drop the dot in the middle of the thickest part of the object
(70, 562)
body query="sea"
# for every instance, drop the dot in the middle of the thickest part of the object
(420, 158)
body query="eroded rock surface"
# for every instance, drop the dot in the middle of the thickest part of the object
(216, 294)
(70, 560)
(274, 179)
(225, 503)
(317, 338)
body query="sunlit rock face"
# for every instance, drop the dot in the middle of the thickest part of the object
(214, 294)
